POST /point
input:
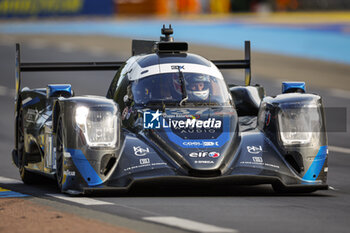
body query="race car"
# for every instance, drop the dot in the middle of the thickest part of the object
(169, 118)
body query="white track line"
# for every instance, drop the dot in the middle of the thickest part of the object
(188, 224)
(3, 91)
(5, 180)
(80, 200)
(339, 149)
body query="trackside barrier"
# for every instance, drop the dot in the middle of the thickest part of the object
(49, 8)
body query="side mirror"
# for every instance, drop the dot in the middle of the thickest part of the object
(290, 87)
(247, 99)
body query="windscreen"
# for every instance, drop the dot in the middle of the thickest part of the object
(169, 88)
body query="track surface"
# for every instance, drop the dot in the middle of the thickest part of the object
(242, 209)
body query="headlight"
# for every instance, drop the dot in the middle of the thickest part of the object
(99, 125)
(299, 124)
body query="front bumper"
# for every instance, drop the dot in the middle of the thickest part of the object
(193, 183)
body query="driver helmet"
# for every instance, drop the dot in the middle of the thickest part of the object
(198, 87)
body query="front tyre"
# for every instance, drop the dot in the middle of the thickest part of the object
(26, 176)
(59, 155)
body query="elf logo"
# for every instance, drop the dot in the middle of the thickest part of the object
(214, 154)
(204, 154)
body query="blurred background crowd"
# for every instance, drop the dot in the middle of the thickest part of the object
(45, 8)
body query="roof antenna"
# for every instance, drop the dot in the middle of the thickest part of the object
(167, 32)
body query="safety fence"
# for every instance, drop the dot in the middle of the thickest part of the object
(48, 8)
(53, 8)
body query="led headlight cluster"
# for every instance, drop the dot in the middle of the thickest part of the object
(299, 125)
(99, 125)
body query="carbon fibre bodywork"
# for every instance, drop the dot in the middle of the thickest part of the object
(249, 157)
(243, 141)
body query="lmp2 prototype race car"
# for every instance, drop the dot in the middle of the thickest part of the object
(169, 118)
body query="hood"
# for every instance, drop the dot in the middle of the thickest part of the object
(197, 139)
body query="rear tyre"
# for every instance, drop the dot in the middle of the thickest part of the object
(59, 154)
(26, 176)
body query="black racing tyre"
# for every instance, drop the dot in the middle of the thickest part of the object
(59, 154)
(26, 176)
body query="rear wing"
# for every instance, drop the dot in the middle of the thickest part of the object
(238, 64)
(59, 66)
(105, 66)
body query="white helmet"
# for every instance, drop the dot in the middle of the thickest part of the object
(198, 87)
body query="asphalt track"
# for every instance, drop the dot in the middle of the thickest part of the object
(235, 209)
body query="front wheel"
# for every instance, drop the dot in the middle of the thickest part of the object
(26, 176)
(59, 154)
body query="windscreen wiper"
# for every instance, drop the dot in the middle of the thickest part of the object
(183, 87)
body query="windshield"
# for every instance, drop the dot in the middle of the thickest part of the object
(167, 89)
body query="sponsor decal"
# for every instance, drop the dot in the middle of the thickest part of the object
(178, 67)
(145, 165)
(210, 143)
(144, 161)
(254, 149)
(249, 163)
(204, 161)
(65, 154)
(214, 154)
(192, 143)
(200, 143)
(69, 173)
(191, 130)
(139, 151)
(153, 121)
(204, 154)
(257, 159)
(192, 116)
